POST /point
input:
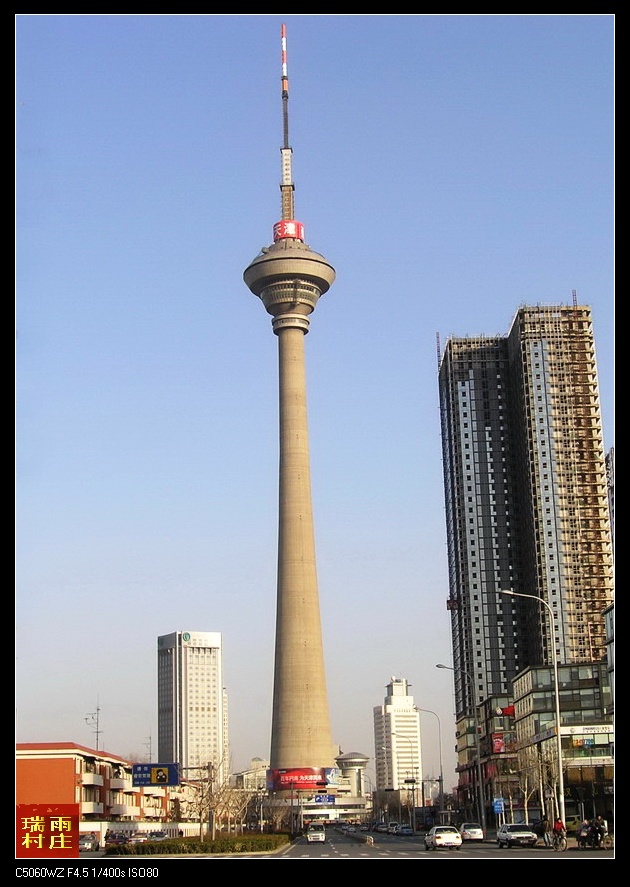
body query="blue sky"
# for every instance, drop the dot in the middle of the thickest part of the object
(450, 167)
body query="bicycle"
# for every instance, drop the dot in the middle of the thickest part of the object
(560, 841)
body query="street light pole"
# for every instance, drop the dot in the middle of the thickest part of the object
(554, 659)
(480, 799)
(292, 827)
(428, 711)
(261, 790)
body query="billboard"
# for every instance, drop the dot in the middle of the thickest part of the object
(47, 830)
(155, 774)
(297, 778)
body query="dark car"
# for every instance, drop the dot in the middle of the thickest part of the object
(157, 836)
(516, 833)
(117, 838)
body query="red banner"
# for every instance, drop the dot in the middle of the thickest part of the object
(47, 831)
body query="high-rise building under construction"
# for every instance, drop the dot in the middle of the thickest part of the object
(530, 559)
(526, 497)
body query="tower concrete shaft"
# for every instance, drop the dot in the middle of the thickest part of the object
(289, 278)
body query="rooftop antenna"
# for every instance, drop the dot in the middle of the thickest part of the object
(287, 226)
(93, 719)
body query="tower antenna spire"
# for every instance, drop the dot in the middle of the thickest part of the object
(288, 226)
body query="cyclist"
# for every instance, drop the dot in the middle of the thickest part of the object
(597, 831)
(559, 831)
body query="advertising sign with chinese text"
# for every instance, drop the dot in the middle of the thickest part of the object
(47, 831)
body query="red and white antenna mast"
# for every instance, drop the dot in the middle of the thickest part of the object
(288, 227)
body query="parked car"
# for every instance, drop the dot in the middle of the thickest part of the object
(392, 828)
(316, 833)
(88, 842)
(516, 833)
(471, 831)
(116, 838)
(573, 823)
(443, 836)
(138, 838)
(405, 830)
(158, 836)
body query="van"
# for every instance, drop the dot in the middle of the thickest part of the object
(573, 823)
(316, 832)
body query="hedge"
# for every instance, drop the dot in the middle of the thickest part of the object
(228, 844)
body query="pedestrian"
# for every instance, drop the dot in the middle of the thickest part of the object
(547, 831)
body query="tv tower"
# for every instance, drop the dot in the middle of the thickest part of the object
(289, 278)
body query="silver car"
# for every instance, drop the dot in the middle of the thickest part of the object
(471, 831)
(516, 833)
(316, 833)
(88, 842)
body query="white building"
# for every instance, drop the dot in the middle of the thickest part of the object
(192, 705)
(397, 740)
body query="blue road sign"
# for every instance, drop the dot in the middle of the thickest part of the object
(155, 774)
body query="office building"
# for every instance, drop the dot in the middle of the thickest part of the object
(525, 481)
(192, 704)
(397, 748)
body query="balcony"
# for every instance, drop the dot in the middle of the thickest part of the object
(153, 791)
(121, 783)
(124, 810)
(91, 807)
(91, 778)
(154, 813)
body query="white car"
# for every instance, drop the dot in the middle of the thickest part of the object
(138, 838)
(443, 836)
(471, 831)
(516, 833)
(316, 833)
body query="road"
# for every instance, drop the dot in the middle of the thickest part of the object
(342, 846)
(339, 846)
